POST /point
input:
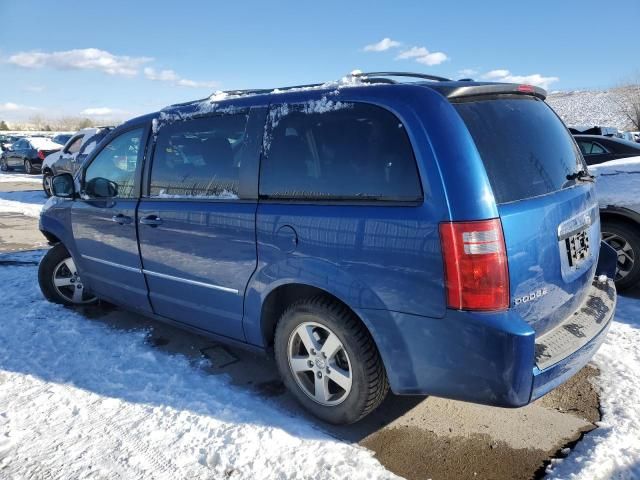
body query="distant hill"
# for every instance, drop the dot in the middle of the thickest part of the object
(592, 107)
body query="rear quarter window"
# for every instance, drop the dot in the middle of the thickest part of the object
(325, 150)
(527, 151)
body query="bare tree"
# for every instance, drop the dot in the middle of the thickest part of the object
(37, 122)
(629, 102)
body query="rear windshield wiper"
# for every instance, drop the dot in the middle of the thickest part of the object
(581, 176)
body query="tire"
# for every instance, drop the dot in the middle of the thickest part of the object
(59, 281)
(28, 168)
(46, 182)
(4, 166)
(356, 355)
(624, 238)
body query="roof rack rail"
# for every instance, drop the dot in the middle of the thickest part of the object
(401, 74)
(368, 77)
(259, 91)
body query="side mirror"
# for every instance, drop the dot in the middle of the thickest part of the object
(62, 186)
(101, 188)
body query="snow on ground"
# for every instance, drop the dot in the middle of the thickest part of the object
(618, 182)
(79, 399)
(20, 177)
(613, 449)
(592, 107)
(29, 202)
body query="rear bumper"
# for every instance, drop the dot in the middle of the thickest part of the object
(561, 352)
(488, 358)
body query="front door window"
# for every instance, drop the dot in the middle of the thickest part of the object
(112, 173)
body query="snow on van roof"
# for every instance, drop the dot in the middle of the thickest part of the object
(211, 104)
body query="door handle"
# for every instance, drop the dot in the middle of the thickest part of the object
(151, 220)
(121, 219)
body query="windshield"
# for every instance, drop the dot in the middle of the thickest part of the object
(527, 151)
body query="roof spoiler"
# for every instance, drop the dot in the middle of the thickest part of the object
(495, 89)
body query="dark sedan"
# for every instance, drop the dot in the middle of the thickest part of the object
(598, 149)
(28, 153)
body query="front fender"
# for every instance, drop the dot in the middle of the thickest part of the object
(55, 219)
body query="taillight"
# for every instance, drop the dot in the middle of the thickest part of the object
(475, 261)
(40, 154)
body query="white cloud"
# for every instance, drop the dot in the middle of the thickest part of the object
(422, 55)
(383, 45)
(99, 111)
(14, 107)
(500, 73)
(81, 59)
(467, 72)
(503, 75)
(172, 77)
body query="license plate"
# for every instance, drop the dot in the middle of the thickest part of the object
(577, 248)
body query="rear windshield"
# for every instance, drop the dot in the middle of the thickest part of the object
(526, 149)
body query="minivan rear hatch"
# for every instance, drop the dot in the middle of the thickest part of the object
(545, 200)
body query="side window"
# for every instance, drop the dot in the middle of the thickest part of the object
(597, 149)
(338, 151)
(20, 145)
(586, 147)
(112, 172)
(74, 147)
(199, 158)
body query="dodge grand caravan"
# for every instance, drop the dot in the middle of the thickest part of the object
(432, 237)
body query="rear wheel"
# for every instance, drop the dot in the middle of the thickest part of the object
(59, 279)
(28, 167)
(329, 361)
(624, 238)
(46, 182)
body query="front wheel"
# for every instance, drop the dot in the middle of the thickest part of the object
(624, 238)
(329, 362)
(59, 279)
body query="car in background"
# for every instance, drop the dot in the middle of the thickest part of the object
(62, 138)
(604, 131)
(71, 157)
(6, 141)
(598, 149)
(631, 136)
(28, 153)
(618, 192)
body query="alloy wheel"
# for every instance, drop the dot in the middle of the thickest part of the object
(68, 283)
(46, 183)
(319, 363)
(27, 166)
(626, 255)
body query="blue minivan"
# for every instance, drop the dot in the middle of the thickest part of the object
(431, 237)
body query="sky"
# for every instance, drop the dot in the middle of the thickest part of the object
(122, 58)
